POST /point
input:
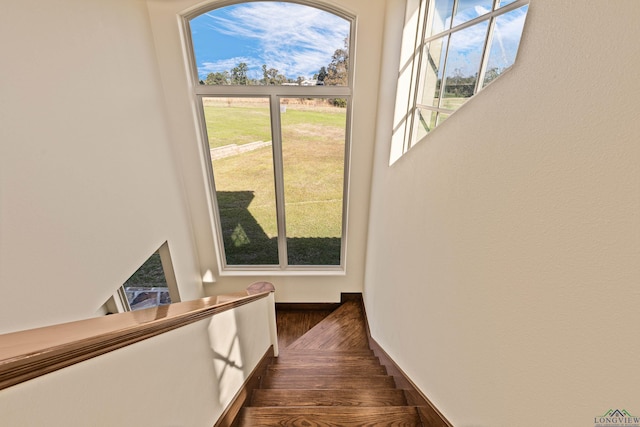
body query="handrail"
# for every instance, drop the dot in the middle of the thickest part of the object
(25, 355)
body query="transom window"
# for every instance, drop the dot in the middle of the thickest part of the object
(273, 88)
(461, 46)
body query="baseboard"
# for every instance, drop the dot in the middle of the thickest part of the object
(304, 306)
(243, 395)
(351, 296)
(429, 414)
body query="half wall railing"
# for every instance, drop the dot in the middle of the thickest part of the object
(29, 354)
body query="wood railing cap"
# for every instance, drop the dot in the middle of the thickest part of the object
(28, 354)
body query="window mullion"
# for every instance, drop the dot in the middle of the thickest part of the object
(415, 72)
(453, 13)
(444, 72)
(262, 90)
(278, 170)
(477, 20)
(485, 56)
(438, 109)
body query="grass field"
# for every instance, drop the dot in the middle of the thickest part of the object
(313, 138)
(149, 275)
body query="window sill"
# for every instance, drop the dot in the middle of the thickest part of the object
(328, 271)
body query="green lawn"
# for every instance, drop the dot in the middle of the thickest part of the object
(150, 274)
(237, 122)
(313, 156)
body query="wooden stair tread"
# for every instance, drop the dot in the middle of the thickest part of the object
(390, 416)
(287, 352)
(294, 323)
(326, 359)
(355, 397)
(343, 329)
(337, 369)
(273, 380)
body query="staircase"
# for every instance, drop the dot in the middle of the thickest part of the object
(330, 377)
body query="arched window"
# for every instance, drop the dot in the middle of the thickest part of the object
(273, 85)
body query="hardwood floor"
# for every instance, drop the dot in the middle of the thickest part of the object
(343, 329)
(386, 397)
(400, 416)
(294, 320)
(326, 375)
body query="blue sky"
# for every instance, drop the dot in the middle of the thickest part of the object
(297, 40)
(466, 46)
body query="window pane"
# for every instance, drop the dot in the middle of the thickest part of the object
(270, 43)
(505, 41)
(425, 121)
(239, 133)
(313, 148)
(463, 64)
(440, 18)
(442, 117)
(470, 9)
(147, 287)
(432, 70)
(504, 3)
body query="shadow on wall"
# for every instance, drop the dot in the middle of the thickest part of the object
(246, 243)
(226, 356)
(238, 340)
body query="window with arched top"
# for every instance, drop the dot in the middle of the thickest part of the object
(272, 83)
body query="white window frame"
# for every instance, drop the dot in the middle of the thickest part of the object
(274, 94)
(118, 302)
(424, 11)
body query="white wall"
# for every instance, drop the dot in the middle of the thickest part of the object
(503, 254)
(183, 378)
(88, 184)
(178, 94)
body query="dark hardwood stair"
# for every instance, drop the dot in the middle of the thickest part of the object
(327, 369)
(330, 377)
(391, 416)
(374, 397)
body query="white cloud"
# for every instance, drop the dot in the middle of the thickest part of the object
(295, 39)
(466, 46)
(223, 64)
(470, 9)
(506, 38)
(465, 50)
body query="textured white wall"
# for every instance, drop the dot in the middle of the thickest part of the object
(503, 255)
(88, 185)
(164, 19)
(183, 378)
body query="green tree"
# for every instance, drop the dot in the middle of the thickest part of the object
(272, 76)
(322, 74)
(491, 74)
(338, 69)
(239, 74)
(459, 86)
(218, 78)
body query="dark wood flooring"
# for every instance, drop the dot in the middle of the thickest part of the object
(294, 320)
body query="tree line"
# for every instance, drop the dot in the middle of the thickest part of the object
(458, 86)
(335, 73)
